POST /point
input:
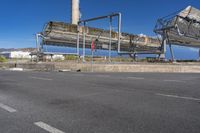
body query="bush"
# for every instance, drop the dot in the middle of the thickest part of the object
(71, 57)
(3, 59)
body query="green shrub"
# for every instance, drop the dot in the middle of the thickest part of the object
(71, 57)
(3, 59)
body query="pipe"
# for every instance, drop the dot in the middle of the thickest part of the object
(103, 17)
(119, 31)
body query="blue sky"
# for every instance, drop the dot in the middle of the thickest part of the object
(21, 19)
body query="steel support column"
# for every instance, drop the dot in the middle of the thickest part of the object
(199, 54)
(163, 48)
(172, 53)
(119, 32)
(84, 42)
(37, 43)
(78, 39)
(110, 41)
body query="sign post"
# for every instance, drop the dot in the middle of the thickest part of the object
(92, 50)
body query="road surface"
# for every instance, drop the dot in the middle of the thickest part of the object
(51, 102)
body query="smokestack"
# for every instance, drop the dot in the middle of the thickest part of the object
(75, 13)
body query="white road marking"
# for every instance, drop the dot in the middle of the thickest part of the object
(7, 108)
(16, 69)
(40, 78)
(135, 78)
(47, 127)
(180, 97)
(191, 78)
(174, 81)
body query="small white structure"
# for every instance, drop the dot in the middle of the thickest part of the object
(55, 57)
(16, 54)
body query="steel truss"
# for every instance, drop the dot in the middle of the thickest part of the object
(180, 28)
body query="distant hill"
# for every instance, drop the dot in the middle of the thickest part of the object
(18, 49)
(4, 49)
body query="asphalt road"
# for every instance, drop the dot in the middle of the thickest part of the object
(41, 102)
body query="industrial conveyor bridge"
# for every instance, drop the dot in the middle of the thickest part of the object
(81, 36)
(180, 28)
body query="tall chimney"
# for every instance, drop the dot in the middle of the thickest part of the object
(75, 13)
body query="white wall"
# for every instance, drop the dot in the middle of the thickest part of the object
(26, 55)
(16, 54)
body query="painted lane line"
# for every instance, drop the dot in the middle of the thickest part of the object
(40, 78)
(47, 127)
(180, 97)
(178, 81)
(191, 79)
(7, 108)
(135, 78)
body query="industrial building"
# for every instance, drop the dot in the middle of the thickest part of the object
(28, 55)
(16, 54)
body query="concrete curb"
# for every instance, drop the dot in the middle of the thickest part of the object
(162, 68)
(68, 67)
